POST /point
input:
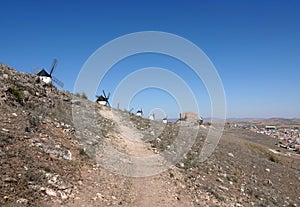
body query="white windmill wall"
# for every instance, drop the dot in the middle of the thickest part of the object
(102, 103)
(139, 114)
(45, 79)
(165, 121)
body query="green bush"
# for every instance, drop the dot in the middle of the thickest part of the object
(17, 93)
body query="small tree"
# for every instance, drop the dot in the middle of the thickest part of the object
(77, 94)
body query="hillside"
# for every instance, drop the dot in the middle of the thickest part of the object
(46, 159)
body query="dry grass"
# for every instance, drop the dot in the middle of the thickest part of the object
(262, 152)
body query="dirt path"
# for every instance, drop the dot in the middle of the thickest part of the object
(99, 187)
(159, 190)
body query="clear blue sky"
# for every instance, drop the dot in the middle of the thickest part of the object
(254, 45)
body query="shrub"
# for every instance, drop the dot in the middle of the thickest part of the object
(83, 95)
(17, 93)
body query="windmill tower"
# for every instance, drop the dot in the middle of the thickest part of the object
(165, 120)
(103, 99)
(139, 113)
(48, 77)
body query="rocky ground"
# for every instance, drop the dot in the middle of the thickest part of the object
(46, 159)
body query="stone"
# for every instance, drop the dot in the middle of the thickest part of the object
(63, 195)
(5, 130)
(22, 201)
(26, 95)
(5, 76)
(10, 180)
(223, 188)
(220, 180)
(50, 192)
(230, 155)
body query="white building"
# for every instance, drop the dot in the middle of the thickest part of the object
(139, 113)
(45, 77)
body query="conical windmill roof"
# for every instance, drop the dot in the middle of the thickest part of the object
(44, 73)
(102, 98)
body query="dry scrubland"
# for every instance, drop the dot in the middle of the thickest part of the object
(42, 163)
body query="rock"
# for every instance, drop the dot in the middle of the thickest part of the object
(22, 201)
(5, 198)
(26, 95)
(223, 188)
(268, 182)
(63, 195)
(65, 154)
(267, 169)
(64, 186)
(50, 192)
(5, 76)
(220, 180)
(10, 180)
(5, 130)
(14, 114)
(230, 155)
(99, 195)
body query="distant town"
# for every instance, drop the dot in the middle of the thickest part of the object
(287, 137)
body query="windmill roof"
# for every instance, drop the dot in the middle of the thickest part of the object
(102, 98)
(44, 73)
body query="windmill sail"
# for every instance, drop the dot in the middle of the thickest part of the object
(53, 66)
(58, 82)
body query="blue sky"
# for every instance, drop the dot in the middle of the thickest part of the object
(254, 45)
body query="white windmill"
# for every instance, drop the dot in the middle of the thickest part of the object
(139, 113)
(48, 77)
(103, 99)
(165, 120)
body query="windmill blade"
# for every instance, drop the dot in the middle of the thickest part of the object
(108, 103)
(53, 66)
(104, 93)
(58, 82)
(108, 95)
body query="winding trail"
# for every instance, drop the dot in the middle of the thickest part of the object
(100, 187)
